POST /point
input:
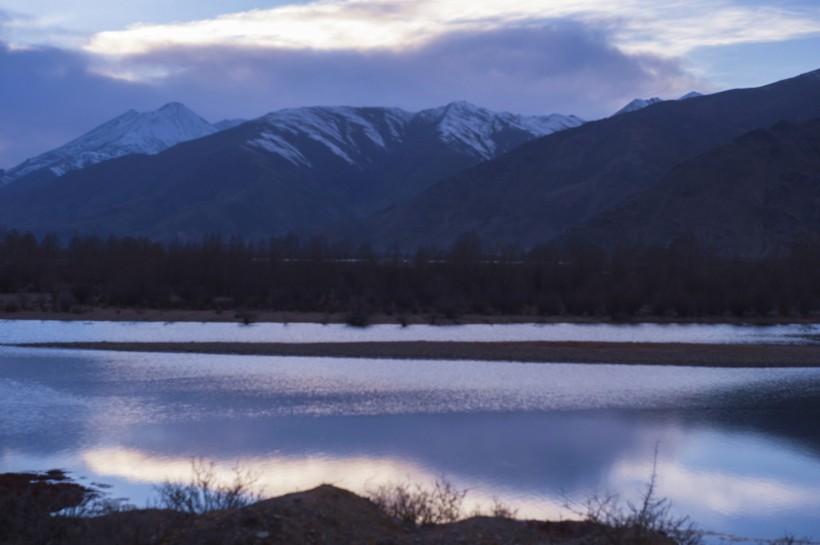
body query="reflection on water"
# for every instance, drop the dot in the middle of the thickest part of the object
(277, 475)
(738, 448)
(30, 331)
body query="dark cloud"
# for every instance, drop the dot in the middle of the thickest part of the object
(50, 96)
(566, 68)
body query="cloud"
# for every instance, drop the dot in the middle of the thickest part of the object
(563, 67)
(279, 475)
(52, 96)
(670, 27)
(587, 57)
(49, 97)
(721, 492)
(679, 29)
(20, 30)
(329, 25)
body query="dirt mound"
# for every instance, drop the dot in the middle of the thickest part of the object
(323, 516)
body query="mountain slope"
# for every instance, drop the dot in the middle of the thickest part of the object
(641, 103)
(546, 186)
(130, 133)
(638, 104)
(289, 170)
(753, 197)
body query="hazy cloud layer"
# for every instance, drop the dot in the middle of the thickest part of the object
(49, 97)
(587, 57)
(662, 26)
(566, 68)
(558, 67)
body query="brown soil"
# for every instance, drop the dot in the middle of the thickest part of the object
(323, 516)
(51, 491)
(710, 355)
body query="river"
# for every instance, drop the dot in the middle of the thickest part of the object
(738, 450)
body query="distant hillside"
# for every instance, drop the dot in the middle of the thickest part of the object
(548, 186)
(641, 103)
(290, 170)
(130, 133)
(751, 197)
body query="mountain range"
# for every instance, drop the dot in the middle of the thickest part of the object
(286, 171)
(130, 133)
(735, 168)
(550, 185)
(753, 197)
(641, 103)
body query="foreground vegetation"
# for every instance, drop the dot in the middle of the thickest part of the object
(207, 511)
(289, 275)
(50, 508)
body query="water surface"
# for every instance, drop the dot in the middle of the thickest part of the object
(738, 449)
(31, 331)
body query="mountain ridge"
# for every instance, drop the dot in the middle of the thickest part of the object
(291, 169)
(641, 103)
(397, 179)
(128, 133)
(548, 185)
(754, 196)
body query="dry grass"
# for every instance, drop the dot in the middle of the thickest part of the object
(205, 493)
(416, 505)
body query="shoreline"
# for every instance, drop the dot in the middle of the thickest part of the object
(111, 314)
(671, 354)
(325, 514)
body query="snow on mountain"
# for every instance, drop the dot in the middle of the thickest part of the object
(132, 132)
(641, 103)
(302, 136)
(226, 124)
(481, 131)
(638, 104)
(347, 131)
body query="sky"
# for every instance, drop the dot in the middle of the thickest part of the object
(67, 67)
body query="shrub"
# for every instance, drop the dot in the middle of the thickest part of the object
(205, 493)
(502, 510)
(646, 522)
(358, 317)
(24, 520)
(419, 506)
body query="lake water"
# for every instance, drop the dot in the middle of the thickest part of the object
(29, 331)
(738, 449)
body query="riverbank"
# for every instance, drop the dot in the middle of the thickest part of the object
(326, 515)
(116, 314)
(702, 355)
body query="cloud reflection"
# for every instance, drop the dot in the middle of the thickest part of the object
(694, 491)
(730, 494)
(278, 475)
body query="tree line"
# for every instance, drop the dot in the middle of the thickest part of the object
(310, 275)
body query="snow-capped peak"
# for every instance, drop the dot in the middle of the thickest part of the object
(641, 103)
(346, 131)
(355, 134)
(638, 104)
(484, 132)
(129, 133)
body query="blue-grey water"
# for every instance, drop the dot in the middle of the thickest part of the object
(738, 449)
(22, 331)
